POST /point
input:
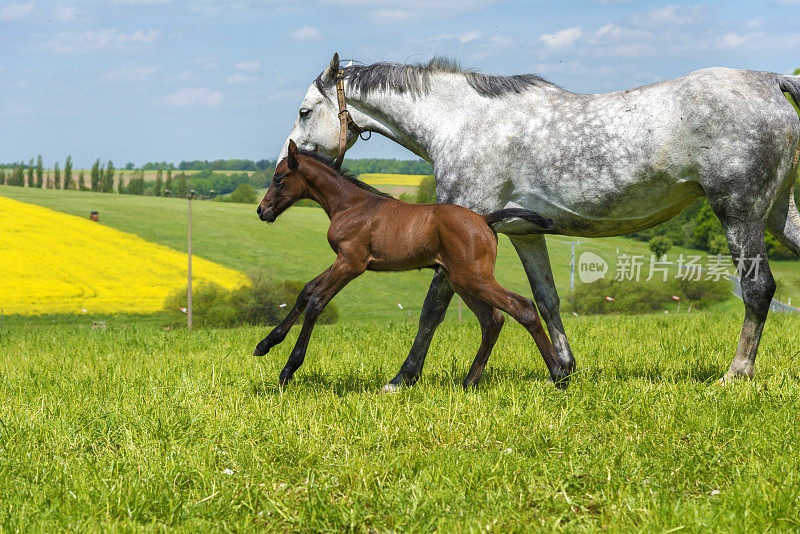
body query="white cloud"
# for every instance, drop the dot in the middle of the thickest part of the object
(95, 41)
(562, 38)
(387, 11)
(249, 65)
(306, 33)
(732, 40)
(206, 63)
(65, 14)
(240, 78)
(463, 38)
(16, 10)
(670, 16)
(130, 73)
(141, 2)
(199, 96)
(500, 41)
(392, 15)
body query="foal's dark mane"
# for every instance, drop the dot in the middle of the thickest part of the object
(415, 78)
(344, 173)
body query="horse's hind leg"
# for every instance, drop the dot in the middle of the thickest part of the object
(746, 242)
(491, 320)
(532, 250)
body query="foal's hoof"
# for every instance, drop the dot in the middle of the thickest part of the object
(390, 388)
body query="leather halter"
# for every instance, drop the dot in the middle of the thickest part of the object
(345, 121)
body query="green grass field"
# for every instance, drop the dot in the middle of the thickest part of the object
(139, 429)
(295, 247)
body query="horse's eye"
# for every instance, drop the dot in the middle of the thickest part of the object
(304, 112)
(278, 178)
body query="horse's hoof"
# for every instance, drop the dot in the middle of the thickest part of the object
(390, 388)
(259, 352)
(733, 376)
(561, 382)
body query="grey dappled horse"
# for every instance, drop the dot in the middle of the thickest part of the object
(597, 164)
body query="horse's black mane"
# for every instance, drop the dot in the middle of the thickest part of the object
(344, 173)
(415, 78)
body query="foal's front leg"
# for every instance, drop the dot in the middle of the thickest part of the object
(340, 274)
(278, 334)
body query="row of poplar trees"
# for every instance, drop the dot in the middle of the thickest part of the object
(101, 179)
(33, 175)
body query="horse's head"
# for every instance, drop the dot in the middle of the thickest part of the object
(287, 187)
(317, 123)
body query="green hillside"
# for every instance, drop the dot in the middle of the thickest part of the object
(295, 247)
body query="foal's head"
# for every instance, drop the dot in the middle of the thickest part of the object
(288, 185)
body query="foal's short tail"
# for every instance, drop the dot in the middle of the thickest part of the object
(537, 223)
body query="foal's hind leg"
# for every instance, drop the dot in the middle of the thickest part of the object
(522, 310)
(746, 241)
(491, 320)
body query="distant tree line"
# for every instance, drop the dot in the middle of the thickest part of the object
(697, 227)
(358, 166)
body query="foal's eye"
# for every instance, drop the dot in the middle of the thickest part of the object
(278, 178)
(304, 112)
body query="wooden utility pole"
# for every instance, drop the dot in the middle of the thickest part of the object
(189, 270)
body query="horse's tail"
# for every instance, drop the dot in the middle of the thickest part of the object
(790, 84)
(537, 223)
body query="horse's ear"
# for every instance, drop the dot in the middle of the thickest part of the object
(330, 73)
(291, 158)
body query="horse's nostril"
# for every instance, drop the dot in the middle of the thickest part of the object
(258, 210)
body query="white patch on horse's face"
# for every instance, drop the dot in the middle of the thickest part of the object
(316, 126)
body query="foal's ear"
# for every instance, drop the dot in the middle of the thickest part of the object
(329, 74)
(291, 159)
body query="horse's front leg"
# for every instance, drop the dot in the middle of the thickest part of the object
(278, 334)
(532, 250)
(340, 274)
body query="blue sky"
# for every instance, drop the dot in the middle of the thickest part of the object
(153, 80)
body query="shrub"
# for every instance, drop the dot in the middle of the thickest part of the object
(426, 193)
(700, 293)
(256, 303)
(644, 297)
(718, 245)
(660, 245)
(243, 194)
(211, 306)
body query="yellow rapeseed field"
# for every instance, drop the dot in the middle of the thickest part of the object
(51, 262)
(391, 179)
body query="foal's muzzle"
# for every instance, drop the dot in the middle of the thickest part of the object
(265, 214)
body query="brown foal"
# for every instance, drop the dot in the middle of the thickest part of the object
(373, 231)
